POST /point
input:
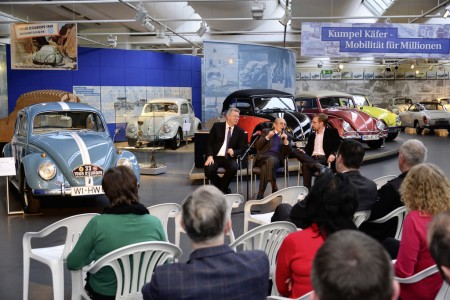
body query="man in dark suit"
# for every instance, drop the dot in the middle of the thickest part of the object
(226, 142)
(273, 146)
(320, 149)
(214, 271)
(411, 153)
(348, 161)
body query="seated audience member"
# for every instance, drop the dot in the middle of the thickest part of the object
(426, 192)
(411, 153)
(225, 143)
(214, 271)
(123, 223)
(330, 207)
(348, 161)
(439, 243)
(353, 266)
(273, 146)
(320, 149)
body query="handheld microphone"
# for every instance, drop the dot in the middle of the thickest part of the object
(257, 133)
(282, 132)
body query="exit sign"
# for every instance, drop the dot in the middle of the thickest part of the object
(324, 72)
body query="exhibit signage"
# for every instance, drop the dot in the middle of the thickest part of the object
(384, 40)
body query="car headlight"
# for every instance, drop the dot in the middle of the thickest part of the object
(397, 120)
(346, 126)
(380, 125)
(132, 128)
(47, 170)
(124, 162)
(167, 128)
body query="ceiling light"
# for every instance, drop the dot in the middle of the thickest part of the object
(168, 42)
(148, 25)
(320, 64)
(431, 67)
(160, 32)
(112, 41)
(444, 13)
(417, 71)
(258, 10)
(341, 66)
(285, 18)
(201, 31)
(141, 13)
(412, 66)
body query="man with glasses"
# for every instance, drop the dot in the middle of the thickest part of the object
(273, 146)
(226, 142)
(320, 149)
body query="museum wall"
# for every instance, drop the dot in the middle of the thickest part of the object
(117, 68)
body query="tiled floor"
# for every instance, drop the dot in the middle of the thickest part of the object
(171, 186)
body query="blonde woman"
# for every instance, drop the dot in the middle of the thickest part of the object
(425, 192)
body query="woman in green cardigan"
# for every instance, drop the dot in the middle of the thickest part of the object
(125, 221)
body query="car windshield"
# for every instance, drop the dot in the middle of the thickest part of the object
(403, 101)
(444, 101)
(266, 103)
(161, 107)
(433, 106)
(329, 102)
(361, 100)
(64, 120)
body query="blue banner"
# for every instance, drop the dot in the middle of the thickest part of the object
(386, 40)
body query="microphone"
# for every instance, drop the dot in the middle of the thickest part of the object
(282, 132)
(257, 133)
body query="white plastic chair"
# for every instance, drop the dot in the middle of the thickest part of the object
(360, 216)
(289, 195)
(380, 181)
(306, 296)
(133, 266)
(163, 212)
(53, 256)
(444, 292)
(233, 201)
(400, 213)
(418, 276)
(267, 238)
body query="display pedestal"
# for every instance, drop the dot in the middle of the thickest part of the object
(146, 157)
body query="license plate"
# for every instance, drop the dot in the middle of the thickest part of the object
(370, 137)
(87, 190)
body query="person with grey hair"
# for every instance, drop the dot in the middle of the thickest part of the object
(411, 153)
(214, 271)
(351, 265)
(226, 142)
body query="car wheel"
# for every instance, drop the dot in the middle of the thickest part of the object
(375, 144)
(392, 136)
(30, 204)
(418, 128)
(132, 142)
(176, 141)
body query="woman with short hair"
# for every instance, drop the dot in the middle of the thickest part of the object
(124, 222)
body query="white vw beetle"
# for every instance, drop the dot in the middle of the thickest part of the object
(167, 119)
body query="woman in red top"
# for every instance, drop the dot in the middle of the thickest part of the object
(426, 192)
(330, 207)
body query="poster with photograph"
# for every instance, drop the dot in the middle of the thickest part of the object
(3, 83)
(46, 46)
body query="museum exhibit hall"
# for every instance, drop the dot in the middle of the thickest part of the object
(265, 99)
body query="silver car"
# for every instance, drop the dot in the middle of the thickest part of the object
(426, 114)
(166, 119)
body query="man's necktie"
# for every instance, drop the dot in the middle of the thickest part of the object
(228, 141)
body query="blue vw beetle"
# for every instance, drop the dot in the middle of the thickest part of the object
(62, 149)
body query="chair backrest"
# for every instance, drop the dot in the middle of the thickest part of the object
(418, 276)
(134, 264)
(360, 216)
(163, 212)
(233, 201)
(380, 181)
(444, 292)
(290, 195)
(400, 213)
(75, 226)
(267, 238)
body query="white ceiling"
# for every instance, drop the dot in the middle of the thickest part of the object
(227, 20)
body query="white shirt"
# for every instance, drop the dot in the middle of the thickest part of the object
(318, 143)
(223, 151)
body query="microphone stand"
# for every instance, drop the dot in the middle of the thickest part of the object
(244, 155)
